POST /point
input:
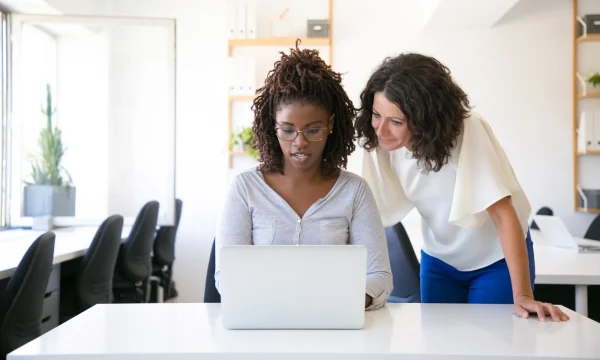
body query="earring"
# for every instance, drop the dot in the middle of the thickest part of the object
(331, 131)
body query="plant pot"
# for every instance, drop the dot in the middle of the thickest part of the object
(48, 200)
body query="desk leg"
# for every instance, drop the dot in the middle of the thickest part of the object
(581, 299)
(160, 294)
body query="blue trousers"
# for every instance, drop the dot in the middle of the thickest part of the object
(442, 283)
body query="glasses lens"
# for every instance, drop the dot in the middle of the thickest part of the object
(286, 134)
(314, 134)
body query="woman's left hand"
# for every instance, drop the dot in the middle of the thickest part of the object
(526, 304)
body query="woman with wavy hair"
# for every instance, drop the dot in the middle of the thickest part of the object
(425, 149)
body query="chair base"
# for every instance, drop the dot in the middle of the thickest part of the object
(126, 292)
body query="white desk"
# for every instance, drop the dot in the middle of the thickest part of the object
(559, 266)
(70, 243)
(398, 331)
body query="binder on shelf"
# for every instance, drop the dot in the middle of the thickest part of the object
(232, 6)
(241, 75)
(251, 19)
(231, 76)
(241, 19)
(249, 76)
(596, 137)
(585, 133)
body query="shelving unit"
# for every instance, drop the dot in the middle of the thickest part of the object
(283, 43)
(589, 210)
(588, 37)
(588, 95)
(582, 99)
(287, 41)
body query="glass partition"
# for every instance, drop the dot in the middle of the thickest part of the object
(93, 118)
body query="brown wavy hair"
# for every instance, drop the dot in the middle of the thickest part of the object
(435, 106)
(303, 77)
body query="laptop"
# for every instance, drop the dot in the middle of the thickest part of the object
(293, 286)
(556, 234)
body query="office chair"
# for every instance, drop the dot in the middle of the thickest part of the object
(93, 283)
(164, 256)
(593, 232)
(211, 294)
(405, 266)
(21, 305)
(542, 211)
(134, 261)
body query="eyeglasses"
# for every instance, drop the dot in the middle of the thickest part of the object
(313, 134)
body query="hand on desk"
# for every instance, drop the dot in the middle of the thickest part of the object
(526, 304)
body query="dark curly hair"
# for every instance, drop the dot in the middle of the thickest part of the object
(303, 77)
(434, 105)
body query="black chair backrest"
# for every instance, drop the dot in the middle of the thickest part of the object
(136, 254)
(542, 211)
(593, 232)
(21, 305)
(164, 244)
(94, 279)
(211, 294)
(405, 265)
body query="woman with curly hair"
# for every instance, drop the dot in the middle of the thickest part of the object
(300, 194)
(425, 149)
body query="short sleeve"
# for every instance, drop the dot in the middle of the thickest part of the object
(389, 195)
(483, 176)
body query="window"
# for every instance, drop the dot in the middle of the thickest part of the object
(112, 85)
(4, 148)
(34, 84)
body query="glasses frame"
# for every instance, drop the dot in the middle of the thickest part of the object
(301, 131)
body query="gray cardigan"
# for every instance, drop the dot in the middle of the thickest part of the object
(254, 213)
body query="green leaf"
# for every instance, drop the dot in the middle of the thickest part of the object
(47, 168)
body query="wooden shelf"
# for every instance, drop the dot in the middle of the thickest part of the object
(241, 97)
(281, 44)
(588, 37)
(287, 41)
(589, 210)
(589, 95)
(589, 152)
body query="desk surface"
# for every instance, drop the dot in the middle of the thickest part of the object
(70, 243)
(415, 331)
(561, 266)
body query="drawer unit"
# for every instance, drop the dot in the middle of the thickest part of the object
(50, 313)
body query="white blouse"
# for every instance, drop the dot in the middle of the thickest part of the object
(453, 202)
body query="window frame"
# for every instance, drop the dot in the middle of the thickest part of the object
(14, 20)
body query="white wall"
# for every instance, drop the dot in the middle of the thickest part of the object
(518, 75)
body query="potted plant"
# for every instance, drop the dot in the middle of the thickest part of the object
(594, 79)
(243, 140)
(50, 191)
